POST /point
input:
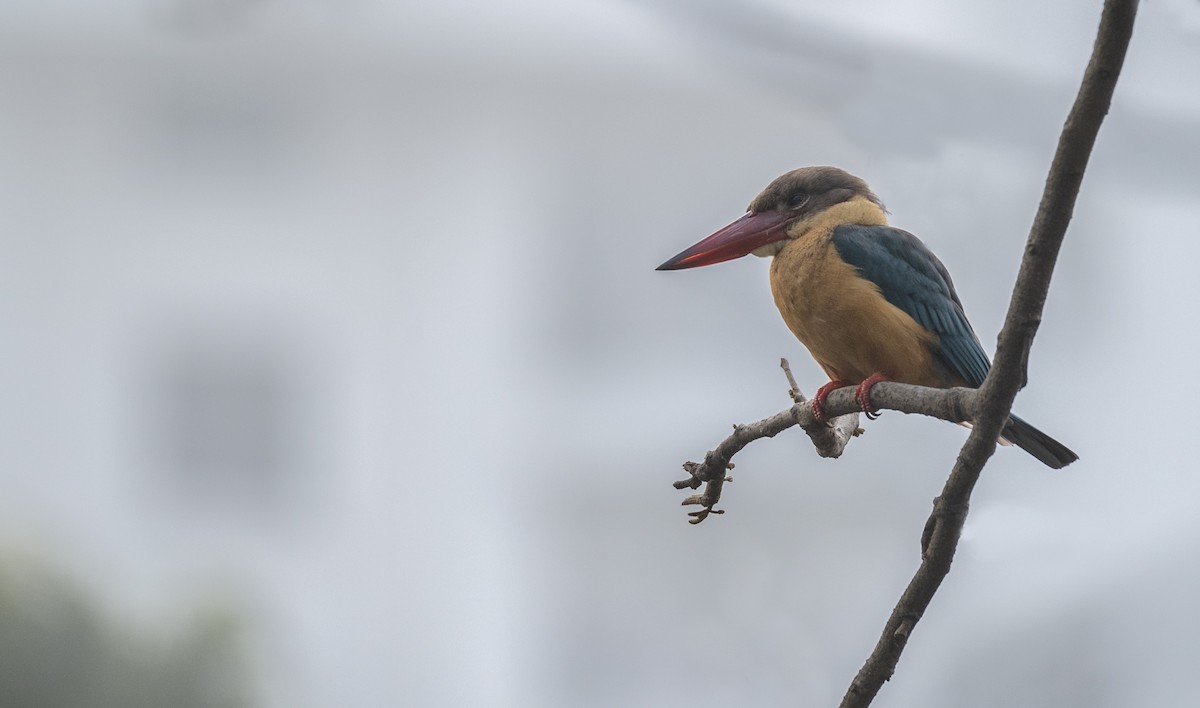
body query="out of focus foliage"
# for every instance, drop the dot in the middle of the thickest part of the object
(61, 650)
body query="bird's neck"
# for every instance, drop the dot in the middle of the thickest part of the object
(859, 210)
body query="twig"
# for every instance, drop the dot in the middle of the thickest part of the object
(829, 439)
(794, 388)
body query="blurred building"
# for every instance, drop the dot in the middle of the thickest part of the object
(335, 324)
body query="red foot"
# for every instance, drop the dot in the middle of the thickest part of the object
(818, 401)
(862, 394)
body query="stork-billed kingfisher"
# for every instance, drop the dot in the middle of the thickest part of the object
(869, 301)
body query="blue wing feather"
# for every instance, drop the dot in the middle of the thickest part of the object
(914, 280)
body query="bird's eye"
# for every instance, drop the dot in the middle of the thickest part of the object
(797, 200)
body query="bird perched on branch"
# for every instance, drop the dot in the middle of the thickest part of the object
(869, 301)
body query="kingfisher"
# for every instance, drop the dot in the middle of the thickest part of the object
(869, 301)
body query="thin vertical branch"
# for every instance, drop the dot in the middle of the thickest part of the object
(942, 531)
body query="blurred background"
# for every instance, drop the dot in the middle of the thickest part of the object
(335, 370)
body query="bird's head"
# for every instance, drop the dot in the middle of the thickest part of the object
(784, 210)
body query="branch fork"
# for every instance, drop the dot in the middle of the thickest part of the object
(829, 438)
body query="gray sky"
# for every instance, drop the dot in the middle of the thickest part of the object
(343, 316)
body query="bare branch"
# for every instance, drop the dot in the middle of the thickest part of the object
(988, 407)
(794, 388)
(944, 527)
(830, 439)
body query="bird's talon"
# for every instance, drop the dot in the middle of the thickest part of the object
(819, 398)
(862, 394)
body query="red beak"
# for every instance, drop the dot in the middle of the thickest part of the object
(734, 241)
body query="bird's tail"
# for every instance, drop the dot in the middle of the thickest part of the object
(1049, 451)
